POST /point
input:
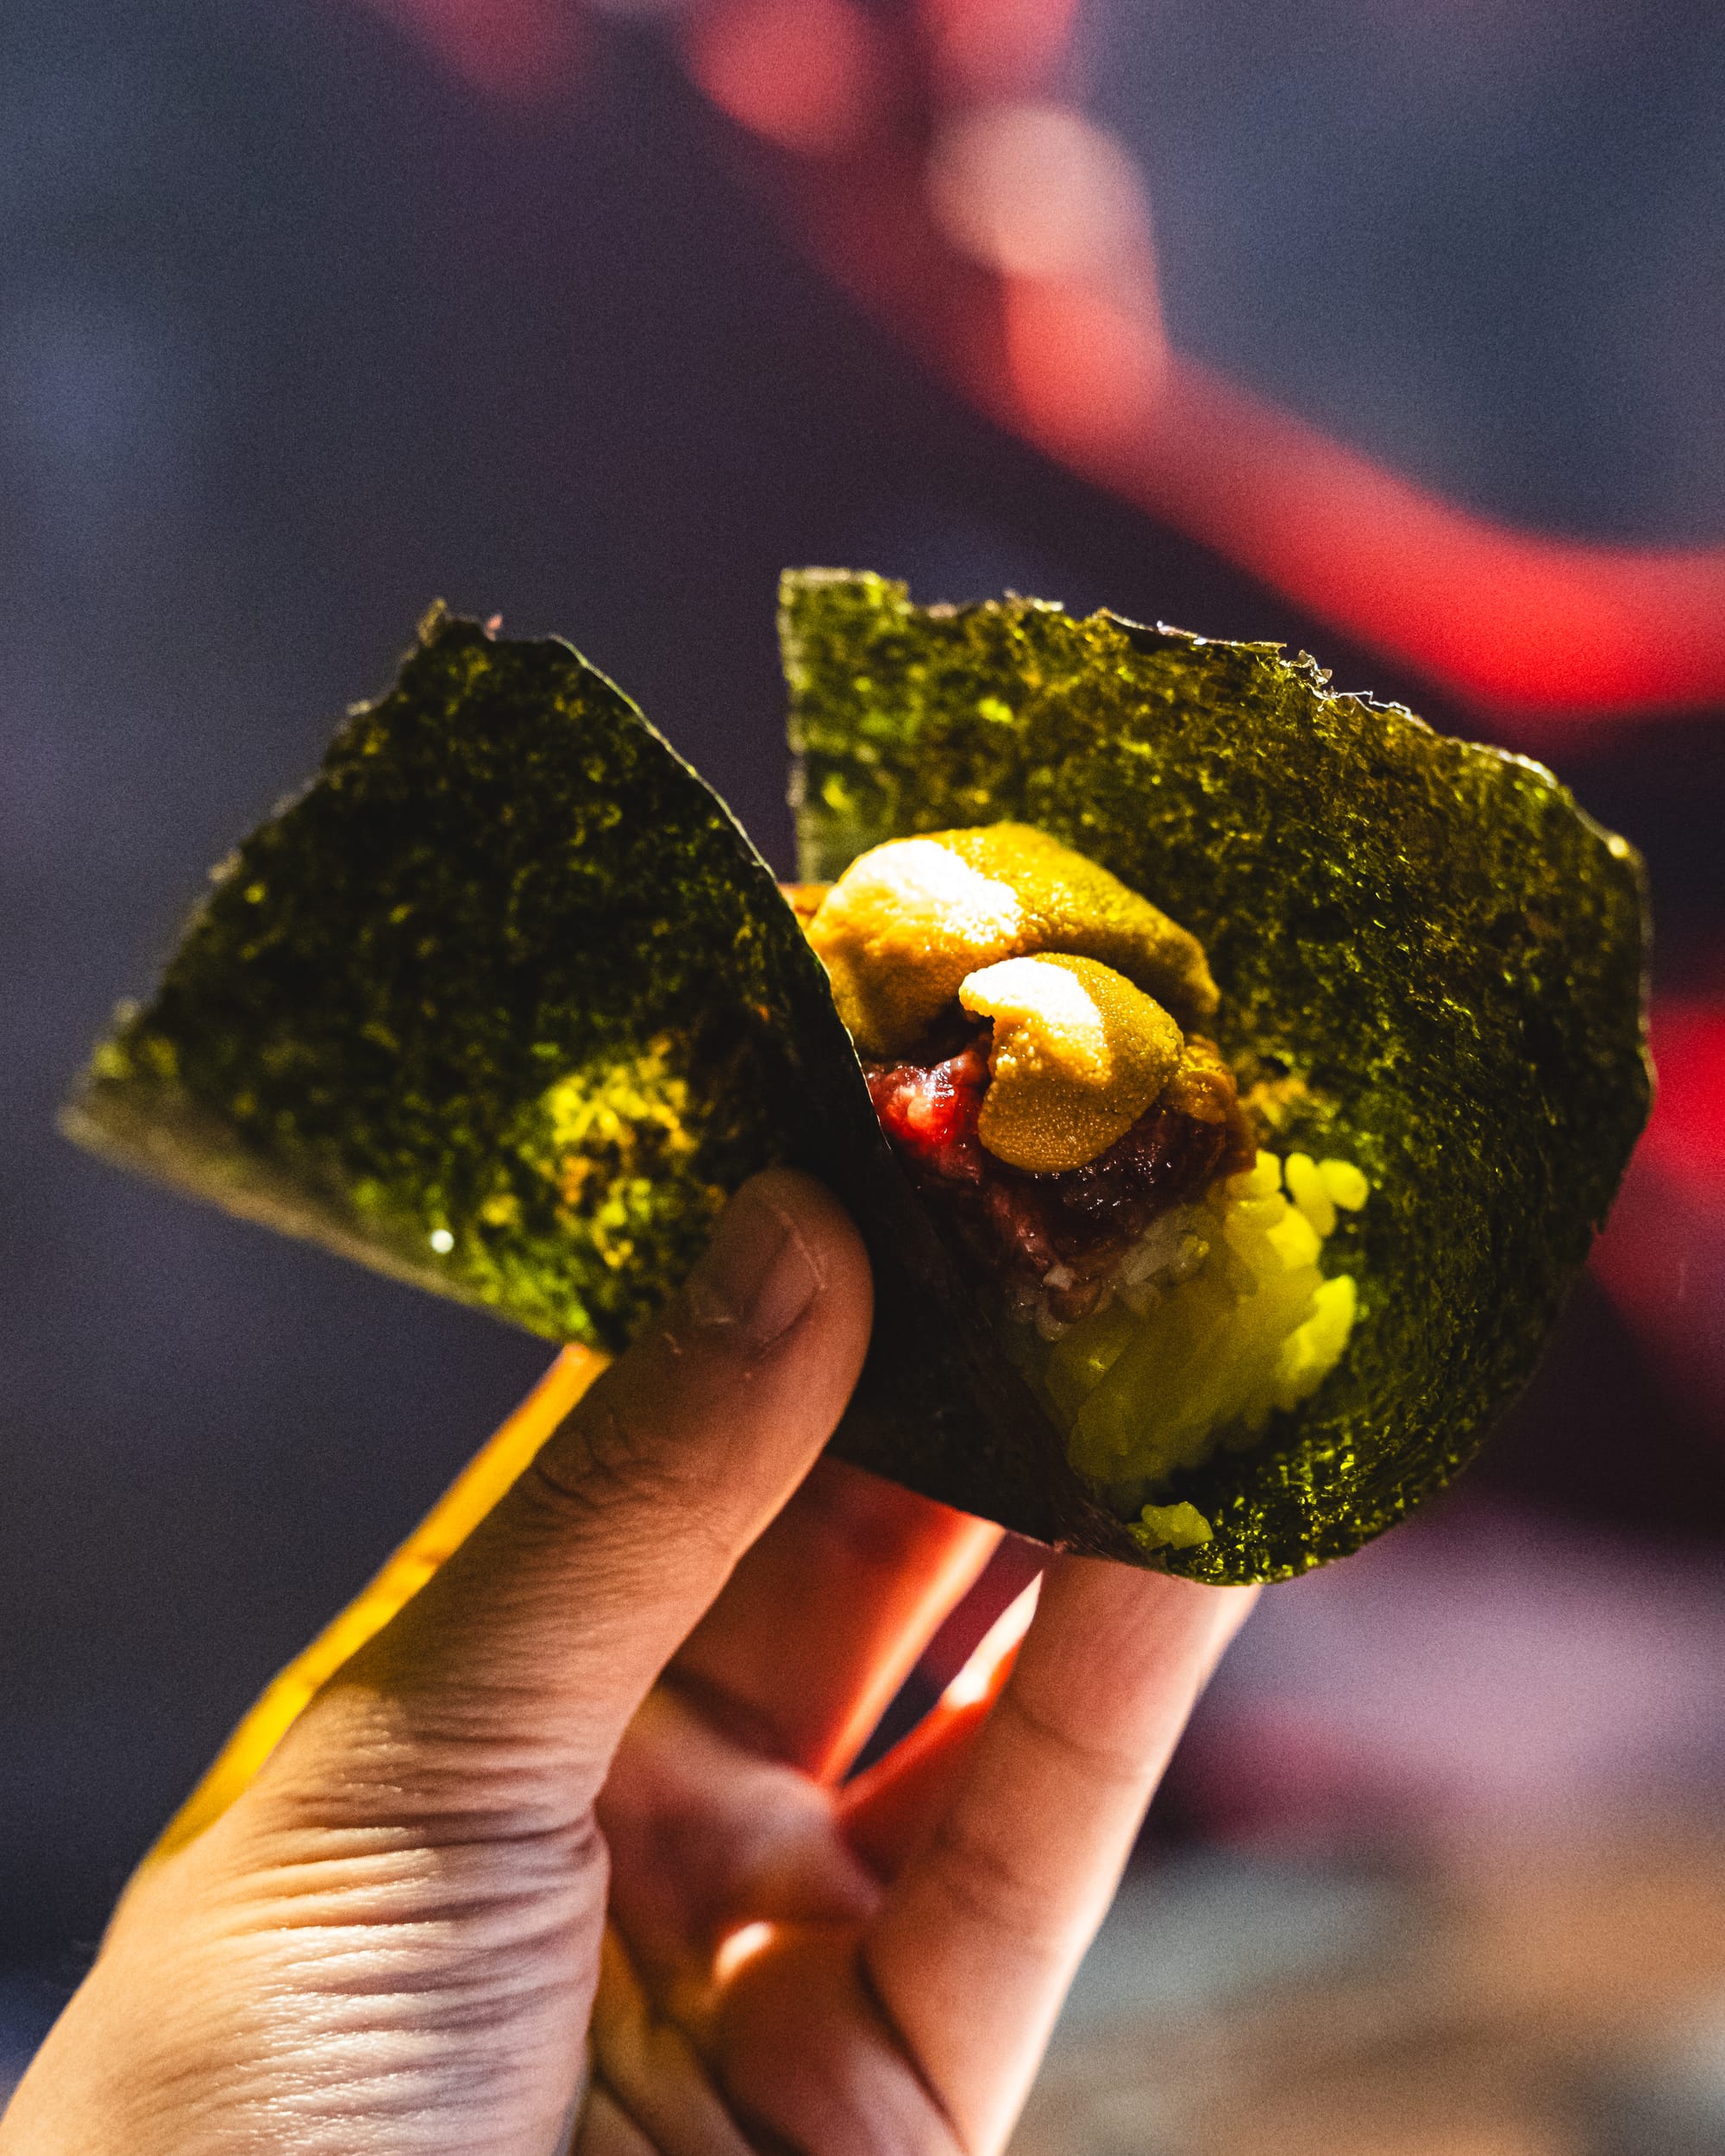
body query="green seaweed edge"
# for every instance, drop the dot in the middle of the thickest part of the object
(505, 1005)
(1430, 937)
(502, 1004)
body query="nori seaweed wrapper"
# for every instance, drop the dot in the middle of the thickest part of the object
(1431, 962)
(506, 1004)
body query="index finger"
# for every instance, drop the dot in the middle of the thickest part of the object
(975, 1944)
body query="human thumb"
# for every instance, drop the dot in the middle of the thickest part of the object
(542, 1634)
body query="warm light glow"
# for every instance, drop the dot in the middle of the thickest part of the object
(975, 1682)
(805, 74)
(445, 1528)
(995, 48)
(741, 1946)
(1039, 191)
(512, 48)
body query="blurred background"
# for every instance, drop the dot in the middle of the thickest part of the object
(1392, 330)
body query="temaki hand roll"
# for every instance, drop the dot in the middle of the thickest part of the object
(1163, 1296)
(1228, 1075)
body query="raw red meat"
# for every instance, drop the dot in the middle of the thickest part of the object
(1021, 1225)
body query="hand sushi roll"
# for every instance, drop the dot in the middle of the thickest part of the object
(1227, 1075)
(1013, 1006)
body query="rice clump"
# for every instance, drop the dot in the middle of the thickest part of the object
(1220, 1314)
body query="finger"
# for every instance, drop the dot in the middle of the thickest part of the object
(810, 2063)
(888, 1812)
(544, 1631)
(973, 1950)
(706, 1839)
(704, 1770)
(604, 2128)
(645, 2069)
(825, 1617)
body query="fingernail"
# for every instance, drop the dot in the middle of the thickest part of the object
(758, 1274)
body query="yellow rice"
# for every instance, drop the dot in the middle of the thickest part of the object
(1219, 1316)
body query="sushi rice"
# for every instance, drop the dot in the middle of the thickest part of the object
(1218, 1316)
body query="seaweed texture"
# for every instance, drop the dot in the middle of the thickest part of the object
(1431, 963)
(506, 1004)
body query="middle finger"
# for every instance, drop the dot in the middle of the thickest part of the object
(826, 1614)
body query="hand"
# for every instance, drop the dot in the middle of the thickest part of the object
(590, 1777)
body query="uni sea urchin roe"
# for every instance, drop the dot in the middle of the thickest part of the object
(909, 919)
(1165, 1294)
(1079, 1054)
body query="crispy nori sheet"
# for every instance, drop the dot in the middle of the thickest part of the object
(502, 1002)
(505, 1003)
(1431, 963)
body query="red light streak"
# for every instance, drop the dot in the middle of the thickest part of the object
(1662, 1256)
(508, 48)
(1504, 616)
(1686, 1137)
(845, 103)
(806, 75)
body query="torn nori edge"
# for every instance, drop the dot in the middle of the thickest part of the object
(506, 1004)
(1429, 956)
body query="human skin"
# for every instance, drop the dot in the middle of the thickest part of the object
(528, 1825)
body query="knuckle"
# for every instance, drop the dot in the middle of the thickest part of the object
(987, 1885)
(602, 1460)
(608, 1467)
(1093, 1763)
